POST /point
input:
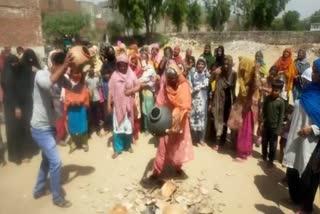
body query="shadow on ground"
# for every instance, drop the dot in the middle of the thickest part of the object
(268, 209)
(72, 171)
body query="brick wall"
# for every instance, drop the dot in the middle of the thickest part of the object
(48, 6)
(20, 22)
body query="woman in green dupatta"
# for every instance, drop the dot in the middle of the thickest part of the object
(207, 54)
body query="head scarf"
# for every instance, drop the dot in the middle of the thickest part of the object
(310, 98)
(230, 62)
(123, 58)
(210, 59)
(155, 46)
(121, 49)
(302, 65)
(138, 71)
(202, 59)
(177, 58)
(27, 55)
(177, 49)
(118, 83)
(133, 50)
(180, 98)
(220, 59)
(286, 64)
(110, 57)
(155, 58)
(261, 60)
(245, 76)
(263, 68)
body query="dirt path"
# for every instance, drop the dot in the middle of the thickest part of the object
(94, 182)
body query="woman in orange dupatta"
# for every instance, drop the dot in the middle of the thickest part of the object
(287, 70)
(176, 147)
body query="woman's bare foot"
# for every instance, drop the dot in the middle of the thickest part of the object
(115, 155)
(202, 143)
(239, 160)
(215, 147)
(72, 148)
(85, 148)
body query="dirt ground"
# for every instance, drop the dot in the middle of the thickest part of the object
(94, 182)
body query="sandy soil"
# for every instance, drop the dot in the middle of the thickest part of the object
(94, 182)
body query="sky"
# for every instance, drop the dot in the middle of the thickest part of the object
(304, 7)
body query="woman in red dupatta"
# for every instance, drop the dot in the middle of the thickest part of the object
(176, 147)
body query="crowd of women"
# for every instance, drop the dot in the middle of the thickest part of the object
(116, 92)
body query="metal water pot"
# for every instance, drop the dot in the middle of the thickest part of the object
(159, 120)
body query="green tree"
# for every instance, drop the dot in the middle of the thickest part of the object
(140, 12)
(57, 25)
(176, 11)
(218, 13)
(291, 20)
(315, 17)
(151, 13)
(277, 24)
(193, 15)
(258, 14)
(132, 13)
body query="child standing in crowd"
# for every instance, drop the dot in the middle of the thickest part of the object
(93, 84)
(265, 89)
(76, 104)
(273, 113)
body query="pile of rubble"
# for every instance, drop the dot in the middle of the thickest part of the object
(189, 199)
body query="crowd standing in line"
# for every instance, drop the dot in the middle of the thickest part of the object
(65, 104)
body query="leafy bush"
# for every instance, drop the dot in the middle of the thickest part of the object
(56, 25)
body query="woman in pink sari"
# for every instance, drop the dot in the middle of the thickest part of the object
(246, 106)
(176, 147)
